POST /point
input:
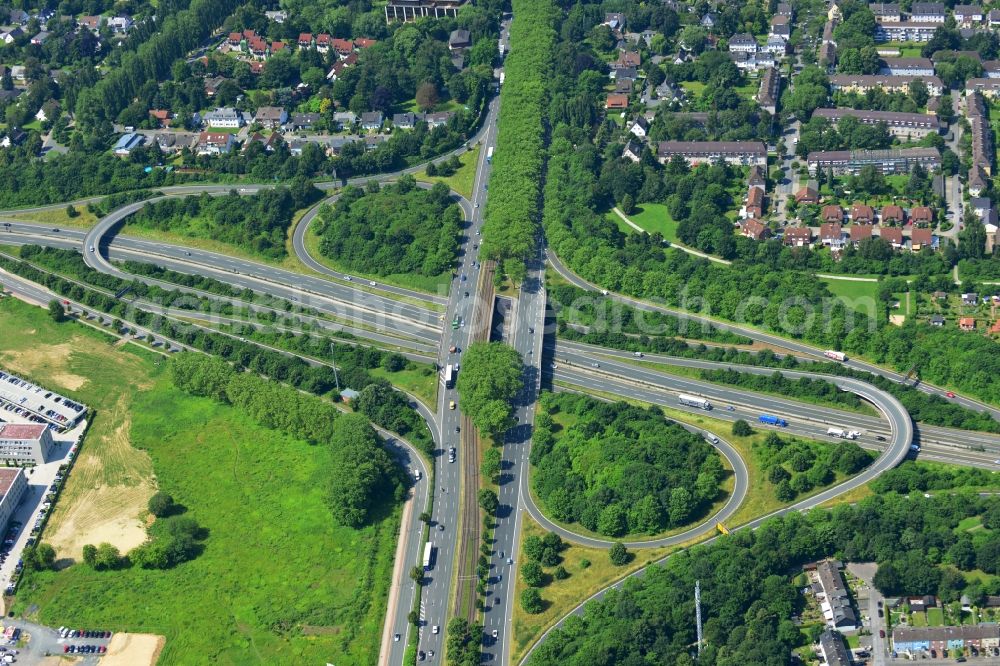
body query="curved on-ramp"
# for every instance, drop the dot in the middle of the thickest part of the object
(899, 447)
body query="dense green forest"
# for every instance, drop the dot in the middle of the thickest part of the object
(512, 208)
(795, 466)
(363, 475)
(392, 229)
(617, 469)
(747, 592)
(257, 223)
(491, 376)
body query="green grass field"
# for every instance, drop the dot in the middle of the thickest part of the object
(653, 218)
(862, 296)
(463, 180)
(277, 582)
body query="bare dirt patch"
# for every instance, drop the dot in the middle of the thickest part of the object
(52, 360)
(133, 650)
(108, 490)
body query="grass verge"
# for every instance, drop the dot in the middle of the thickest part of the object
(58, 217)
(463, 180)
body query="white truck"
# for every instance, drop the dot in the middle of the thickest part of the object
(835, 355)
(694, 401)
(843, 434)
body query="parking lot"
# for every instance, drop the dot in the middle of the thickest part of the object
(43, 482)
(37, 644)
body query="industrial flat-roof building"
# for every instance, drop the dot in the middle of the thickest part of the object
(885, 161)
(25, 443)
(12, 486)
(22, 398)
(903, 125)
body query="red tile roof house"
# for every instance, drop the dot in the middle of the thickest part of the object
(343, 47)
(305, 40)
(832, 234)
(755, 229)
(364, 42)
(893, 214)
(807, 195)
(323, 42)
(892, 234)
(859, 232)
(967, 324)
(921, 215)
(235, 38)
(162, 116)
(862, 214)
(920, 238)
(798, 236)
(755, 203)
(832, 214)
(617, 102)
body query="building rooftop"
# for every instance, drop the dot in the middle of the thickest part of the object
(7, 477)
(21, 430)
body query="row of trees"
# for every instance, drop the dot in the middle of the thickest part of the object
(392, 412)
(393, 229)
(747, 593)
(795, 466)
(619, 469)
(257, 223)
(512, 208)
(363, 476)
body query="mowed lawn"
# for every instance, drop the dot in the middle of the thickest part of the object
(277, 581)
(861, 296)
(652, 218)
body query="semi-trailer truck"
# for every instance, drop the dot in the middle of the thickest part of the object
(428, 551)
(772, 420)
(835, 355)
(489, 155)
(843, 434)
(694, 401)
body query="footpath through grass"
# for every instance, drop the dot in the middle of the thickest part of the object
(277, 582)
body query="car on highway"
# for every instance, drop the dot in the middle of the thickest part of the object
(435, 629)
(348, 278)
(55, 230)
(91, 248)
(371, 283)
(395, 637)
(451, 405)
(879, 438)
(495, 633)
(510, 560)
(950, 394)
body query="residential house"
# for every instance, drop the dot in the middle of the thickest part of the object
(459, 39)
(41, 37)
(212, 85)
(305, 40)
(161, 116)
(891, 161)
(970, 299)
(91, 23)
(708, 20)
(270, 117)
(751, 62)
(894, 235)
(406, 120)
(341, 65)
(978, 180)
(833, 650)
(755, 229)
(783, 9)
(921, 216)
(14, 137)
(770, 88)
(343, 47)
(616, 102)
(922, 237)
(11, 34)
(745, 153)
(627, 60)
(756, 178)
(614, 20)
(639, 127)
(862, 214)
(832, 214)
(908, 31)
(937, 320)
(836, 600)
(438, 119)
(323, 42)
(797, 236)
(624, 73)
(742, 43)
(342, 119)
(776, 46)
(908, 126)
(223, 117)
(967, 323)
(832, 235)
(364, 43)
(411, 10)
(633, 150)
(781, 26)
(18, 16)
(967, 15)
(754, 207)
(372, 120)
(892, 214)
(127, 143)
(623, 86)
(922, 603)
(928, 12)
(860, 232)
(940, 295)
(862, 83)
(279, 16)
(121, 25)
(991, 69)
(886, 12)
(993, 18)
(907, 67)
(828, 55)
(214, 143)
(302, 121)
(807, 195)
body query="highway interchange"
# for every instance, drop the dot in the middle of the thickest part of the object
(420, 325)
